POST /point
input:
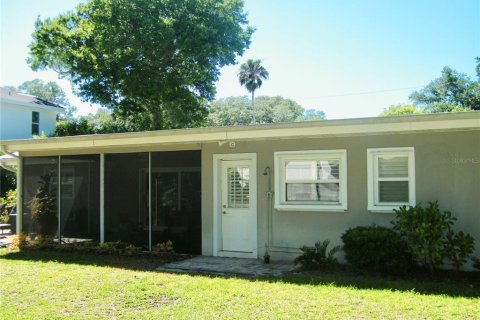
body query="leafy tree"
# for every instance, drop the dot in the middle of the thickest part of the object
(151, 61)
(452, 91)
(477, 67)
(313, 115)
(236, 110)
(401, 109)
(250, 75)
(48, 91)
(101, 122)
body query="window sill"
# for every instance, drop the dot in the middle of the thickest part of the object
(385, 209)
(311, 208)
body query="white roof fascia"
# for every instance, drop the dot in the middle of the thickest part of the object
(324, 128)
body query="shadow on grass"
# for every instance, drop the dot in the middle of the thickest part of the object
(466, 284)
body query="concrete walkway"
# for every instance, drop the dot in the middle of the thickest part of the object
(228, 266)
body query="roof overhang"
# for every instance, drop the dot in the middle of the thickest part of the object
(58, 109)
(324, 128)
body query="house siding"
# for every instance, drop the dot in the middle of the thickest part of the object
(447, 168)
(16, 121)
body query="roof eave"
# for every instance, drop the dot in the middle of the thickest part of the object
(324, 128)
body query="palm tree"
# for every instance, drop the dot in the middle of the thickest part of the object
(250, 75)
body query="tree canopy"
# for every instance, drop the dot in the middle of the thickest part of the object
(401, 109)
(152, 61)
(49, 91)
(452, 91)
(237, 110)
(251, 75)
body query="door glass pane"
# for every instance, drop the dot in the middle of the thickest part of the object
(238, 184)
(320, 192)
(393, 191)
(393, 167)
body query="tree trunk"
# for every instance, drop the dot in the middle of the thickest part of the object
(253, 106)
(156, 119)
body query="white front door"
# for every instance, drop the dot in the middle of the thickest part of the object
(237, 207)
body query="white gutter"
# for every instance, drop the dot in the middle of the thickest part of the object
(325, 128)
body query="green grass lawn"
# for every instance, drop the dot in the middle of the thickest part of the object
(53, 285)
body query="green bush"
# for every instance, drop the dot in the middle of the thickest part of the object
(318, 256)
(7, 203)
(429, 235)
(375, 248)
(457, 247)
(163, 247)
(113, 247)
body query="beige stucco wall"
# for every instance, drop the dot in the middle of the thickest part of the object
(447, 168)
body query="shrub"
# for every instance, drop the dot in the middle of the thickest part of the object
(6, 204)
(116, 247)
(131, 250)
(18, 241)
(424, 230)
(119, 248)
(375, 248)
(318, 256)
(428, 232)
(457, 247)
(163, 247)
(44, 240)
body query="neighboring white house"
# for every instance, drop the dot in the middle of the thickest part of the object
(23, 115)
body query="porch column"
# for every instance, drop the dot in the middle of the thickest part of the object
(19, 195)
(59, 200)
(102, 198)
(149, 201)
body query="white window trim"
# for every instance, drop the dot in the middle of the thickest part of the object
(372, 169)
(281, 157)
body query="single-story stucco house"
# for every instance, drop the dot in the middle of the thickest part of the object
(233, 191)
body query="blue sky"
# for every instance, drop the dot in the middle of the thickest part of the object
(348, 58)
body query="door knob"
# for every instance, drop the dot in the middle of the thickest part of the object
(224, 212)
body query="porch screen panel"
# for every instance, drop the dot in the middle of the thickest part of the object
(80, 197)
(176, 200)
(40, 196)
(126, 198)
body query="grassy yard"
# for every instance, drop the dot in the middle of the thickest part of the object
(52, 285)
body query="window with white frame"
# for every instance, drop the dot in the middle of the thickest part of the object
(314, 180)
(391, 178)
